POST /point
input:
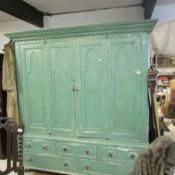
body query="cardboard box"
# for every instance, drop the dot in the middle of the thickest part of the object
(172, 84)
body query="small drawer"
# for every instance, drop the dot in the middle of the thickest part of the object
(103, 167)
(47, 162)
(77, 149)
(118, 153)
(41, 146)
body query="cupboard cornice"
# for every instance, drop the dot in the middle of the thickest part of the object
(86, 30)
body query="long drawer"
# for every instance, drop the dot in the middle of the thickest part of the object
(103, 167)
(49, 163)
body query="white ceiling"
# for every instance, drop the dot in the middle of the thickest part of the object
(163, 2)
(4, 17)
(66, 6)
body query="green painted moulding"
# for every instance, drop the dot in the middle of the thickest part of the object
(124, 27)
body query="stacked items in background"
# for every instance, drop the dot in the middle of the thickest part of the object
(165, 94)
(166, 99)
(163, 63)
(168, 111)
(3, 97)
(169, 107)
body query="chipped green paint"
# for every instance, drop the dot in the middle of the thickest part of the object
(82, 95)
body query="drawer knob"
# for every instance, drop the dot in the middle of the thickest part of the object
(29, 145)
(111, 154)
(29, 158)
(65, 149)
(66, 164)
(87, 152)
(132, 155)
(87, 166)
(45, 147)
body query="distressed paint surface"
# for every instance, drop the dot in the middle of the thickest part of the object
(61, 65)
(83, 98)
(90, 69)
(34, 87)
(125, 87)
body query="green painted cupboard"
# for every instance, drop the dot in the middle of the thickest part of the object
(82, 94)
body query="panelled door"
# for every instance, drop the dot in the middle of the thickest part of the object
(125, 109)
(33, 87)
(62, 81)
(91, 87)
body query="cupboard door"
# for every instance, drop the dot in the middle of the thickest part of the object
(32, 68)
(125, 87)
(63, 113)
(91, 69)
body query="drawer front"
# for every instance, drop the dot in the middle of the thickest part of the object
(77, 149)
(40, 146)
(117, 153)
(58, 164)
(103, 167)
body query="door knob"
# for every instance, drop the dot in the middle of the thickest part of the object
(75, 88)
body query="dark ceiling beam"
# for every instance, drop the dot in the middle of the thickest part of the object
(23, 11)
(149, 7)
